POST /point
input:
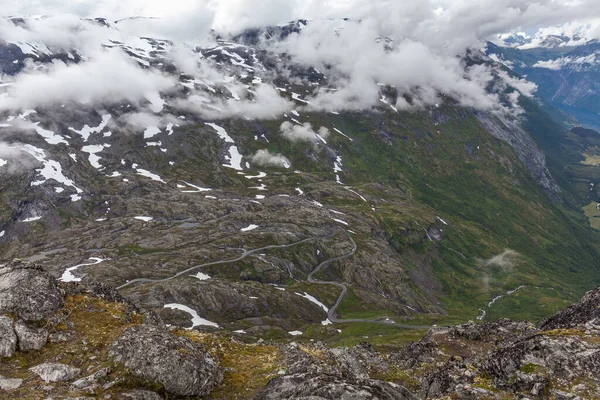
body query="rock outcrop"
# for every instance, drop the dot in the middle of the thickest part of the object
(95, 321)
(55, 372)
(331, 387)
(152, 353)
(584, 312)
(30, 338)
(8, 338)
(28, 291)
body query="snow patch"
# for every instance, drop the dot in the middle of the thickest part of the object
(201, 276)
(86, 131)
(142, 218)
(68, 276)
(249, 228)
(196, 319)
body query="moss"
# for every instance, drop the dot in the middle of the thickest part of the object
(247, 367)
(529, 368)
(94, 324)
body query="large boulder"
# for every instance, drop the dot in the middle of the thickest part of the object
(331, 387)
(30, 338)
(584, 312)
(55, 372)
(28, 291)
(8, 338)
(182, 367)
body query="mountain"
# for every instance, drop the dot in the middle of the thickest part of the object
(76, 340)
(229, 187)
(567, 76)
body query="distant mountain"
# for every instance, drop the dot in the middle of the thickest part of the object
(567, 77)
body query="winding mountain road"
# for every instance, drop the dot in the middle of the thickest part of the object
(229, 261)
(331, 314)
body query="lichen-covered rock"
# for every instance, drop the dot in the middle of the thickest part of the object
(139, 395)
(500, 331)
(28, 291)
(181, 366)
(585, 311)
(8, 338)
(30, 338)
(331, 387)
(530, 362)
(91, 380)
(10, 384)
(415, 353)
(55, 372)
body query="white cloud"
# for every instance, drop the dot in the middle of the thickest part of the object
(302, 133)
(266, 159)
(421, 59)
(107, 77)
(573, 62)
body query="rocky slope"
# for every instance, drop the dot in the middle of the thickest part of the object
(77, 341)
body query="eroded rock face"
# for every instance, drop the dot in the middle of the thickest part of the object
(30, 338)
(181, 366)
(585, 311)
(28, 291)
(8, 338)
(55, 372)
(330, 387)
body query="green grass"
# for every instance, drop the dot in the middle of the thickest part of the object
(593, 213)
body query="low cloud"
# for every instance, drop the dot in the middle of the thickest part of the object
(107, 77)
(412, 46)
(302, 133)
(571, 62)
(505, 260)
(266, 159)
(12, 159)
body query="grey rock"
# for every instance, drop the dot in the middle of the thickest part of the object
(181, 366)
(59, 337)
(139, 395)
(28, 291)
(8, 338)
(585, 311)
(10, 384)
(30, 338)
(501, 331)
(91, 379)
(55, 372)
(331, 387)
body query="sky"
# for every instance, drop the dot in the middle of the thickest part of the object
(478, 17)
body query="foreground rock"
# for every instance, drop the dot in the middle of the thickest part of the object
(10, 384)
(182, 367)
(8, 338)
(30, 338)
(584, 312)
(28, 291)
(330, 387)
(55, 372)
